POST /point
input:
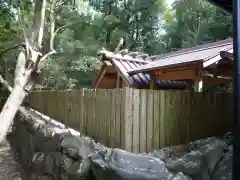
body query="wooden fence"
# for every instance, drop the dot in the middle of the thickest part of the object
(138, 120)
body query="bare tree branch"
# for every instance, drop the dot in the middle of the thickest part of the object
(52, 25)
(5, 84)
(11, 48)
(62, 27)
(24, 32)
(38, 24)
(23, 29)
(59, 4)
(120, 44)
(46, 55)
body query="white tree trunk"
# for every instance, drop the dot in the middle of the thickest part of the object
(10, 109)
(23, 74)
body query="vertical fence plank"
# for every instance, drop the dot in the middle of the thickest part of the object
(162, 119)
(150, 120)
(105, 122)
(97, 115)
(80, 98)
(143, 120)
(118, 107)
(123, 118)
(168, 119)
(84, 109)
(75, 112)
(101, 107)
(89, 111)
(113, 125)
(156, 117)
(128, 119)
(109, 117)
(135, 121)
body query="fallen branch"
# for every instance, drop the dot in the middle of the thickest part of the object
(46, 55)
(60, 28)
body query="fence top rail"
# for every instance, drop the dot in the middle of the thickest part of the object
(131, 89)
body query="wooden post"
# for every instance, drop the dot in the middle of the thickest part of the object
(198, 81)
(152, 84)
(118, 80)
(153, 80)
(128, 123)
(198, 84)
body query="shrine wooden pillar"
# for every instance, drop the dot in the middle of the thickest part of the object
(153, 80)
(198, 81)
(198, 84)
(118, 81)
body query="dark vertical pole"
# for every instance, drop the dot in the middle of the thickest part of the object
(236, 107)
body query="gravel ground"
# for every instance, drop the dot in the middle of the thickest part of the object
(8, 167)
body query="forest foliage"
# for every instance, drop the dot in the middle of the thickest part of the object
(152, 26)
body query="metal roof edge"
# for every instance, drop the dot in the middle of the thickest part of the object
(216, 44)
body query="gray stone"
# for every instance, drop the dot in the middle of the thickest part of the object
(122, 165)
(163, 154)
(52, 152)
(181, 150)
(201, 142)
(76, 146)
(77, 169)
(228, 138)
(191, 164)
(212, 153)
(33, 124)
(181, 176)
(27, 148)
(57, 158)
(52, 144)
(38, 163)
(44, 133)
(50, 166)
(37, 177)
(223, 170)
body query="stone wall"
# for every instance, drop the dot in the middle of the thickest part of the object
(46, 149)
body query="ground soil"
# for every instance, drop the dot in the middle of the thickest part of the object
(8, 167)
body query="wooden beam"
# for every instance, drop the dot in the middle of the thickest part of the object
(177, 75)
(153, 81)
(108, 63)
(215, 81)
(111, 75)
(227, 54)
(220, 72)
(212, 76)
(198, 82)
(151, 84)
(100, 76)
(193, 65)
(228, 74)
